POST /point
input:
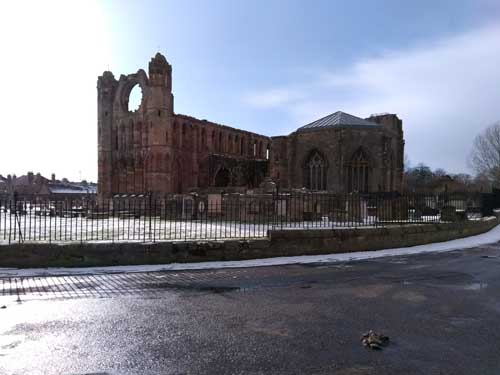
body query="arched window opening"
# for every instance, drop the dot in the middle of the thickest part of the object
(390, 184)
(166, 137)
(137, 133)
(230, 144)
(268, 151)
(204, 138)
(183, 137)
(134, 99)
(213, 141)
(255, 148)
(167, 163)
(315, 170)
(222, 178)
(220, 148)
(130, 135)
(175, 136)
(358, 173)
(198, 138)
(122, 139)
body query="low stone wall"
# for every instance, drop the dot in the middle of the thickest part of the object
(368, 239)
(279, 243)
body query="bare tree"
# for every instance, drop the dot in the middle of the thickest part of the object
(440, 172)
(485, 155)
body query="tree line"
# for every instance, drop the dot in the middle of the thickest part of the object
(484, 160)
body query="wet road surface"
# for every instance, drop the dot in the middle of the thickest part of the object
(441, 312)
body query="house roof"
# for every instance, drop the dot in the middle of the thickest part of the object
(339, 119)
(62, 188)
(25, 180)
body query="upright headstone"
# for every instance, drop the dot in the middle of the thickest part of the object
(214, 204)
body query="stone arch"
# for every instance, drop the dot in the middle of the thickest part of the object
(183, 139)
(390, 173)
(125, 87)
(130, 135)
(222, 177)
(204, 138)
(137, 132)
(122, 137)
(221, 144)
(236, 144)
(315, 170)
(147, 162)
(197, 135)
(167, 163)
(229, 143)
(176, 176)
(138, 162)
(175, 135)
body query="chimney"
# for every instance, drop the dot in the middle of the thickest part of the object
(53, 177)
(30, 178)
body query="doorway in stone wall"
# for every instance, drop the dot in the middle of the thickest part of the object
(222, 178)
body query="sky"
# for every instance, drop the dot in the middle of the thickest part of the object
(268, 66)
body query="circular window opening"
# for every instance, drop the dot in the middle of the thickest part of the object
(135, 98)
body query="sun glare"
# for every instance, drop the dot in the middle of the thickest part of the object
(53, 52)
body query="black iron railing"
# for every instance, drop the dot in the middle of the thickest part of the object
(144, 218)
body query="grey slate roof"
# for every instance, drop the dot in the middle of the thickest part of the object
(340, 119)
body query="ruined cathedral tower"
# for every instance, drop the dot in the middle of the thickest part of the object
(132, 145)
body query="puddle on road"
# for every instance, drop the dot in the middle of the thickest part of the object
(476, 286)
(369, 291)
(409, 296)
(192, 287)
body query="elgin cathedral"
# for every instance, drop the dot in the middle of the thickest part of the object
(154, 150)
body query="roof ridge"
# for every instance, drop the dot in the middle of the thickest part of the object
(322, 118)
(338, 118)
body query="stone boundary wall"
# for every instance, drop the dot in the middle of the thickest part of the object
(280, 243)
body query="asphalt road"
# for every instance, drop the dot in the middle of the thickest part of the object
(441, 312)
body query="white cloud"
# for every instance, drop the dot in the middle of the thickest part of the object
(273, 98)
(446, 91)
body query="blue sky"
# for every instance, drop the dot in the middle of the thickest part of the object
(264, 66)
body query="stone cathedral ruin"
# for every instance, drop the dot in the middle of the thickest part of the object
(154, 150)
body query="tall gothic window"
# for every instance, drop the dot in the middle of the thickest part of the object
(204, 138)
(358, 172)
(315, 172)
